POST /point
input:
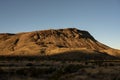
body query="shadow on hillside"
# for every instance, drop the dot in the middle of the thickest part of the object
(72, 55)
(78, 55)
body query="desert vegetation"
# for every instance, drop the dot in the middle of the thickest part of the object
(34, 68)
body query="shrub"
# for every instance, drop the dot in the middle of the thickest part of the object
(71, 68)
(29, 64)
(35, 72)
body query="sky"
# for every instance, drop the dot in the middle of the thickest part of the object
(100, 17)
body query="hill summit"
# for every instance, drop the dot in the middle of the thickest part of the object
(50, 42)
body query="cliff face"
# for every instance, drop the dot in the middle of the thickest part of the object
(48, 42)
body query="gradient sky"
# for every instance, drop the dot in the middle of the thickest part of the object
(100, 17)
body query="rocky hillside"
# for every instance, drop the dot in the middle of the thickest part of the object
(51, 42)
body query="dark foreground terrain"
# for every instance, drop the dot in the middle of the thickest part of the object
(34, 68)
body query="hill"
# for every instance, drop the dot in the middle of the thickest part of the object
(53, 42)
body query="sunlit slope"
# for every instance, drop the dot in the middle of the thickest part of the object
(51, 42)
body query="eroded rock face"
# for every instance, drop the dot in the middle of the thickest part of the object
(48, 42)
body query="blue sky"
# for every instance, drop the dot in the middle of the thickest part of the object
(100, 17)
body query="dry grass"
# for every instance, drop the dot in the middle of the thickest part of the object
(58, 70)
